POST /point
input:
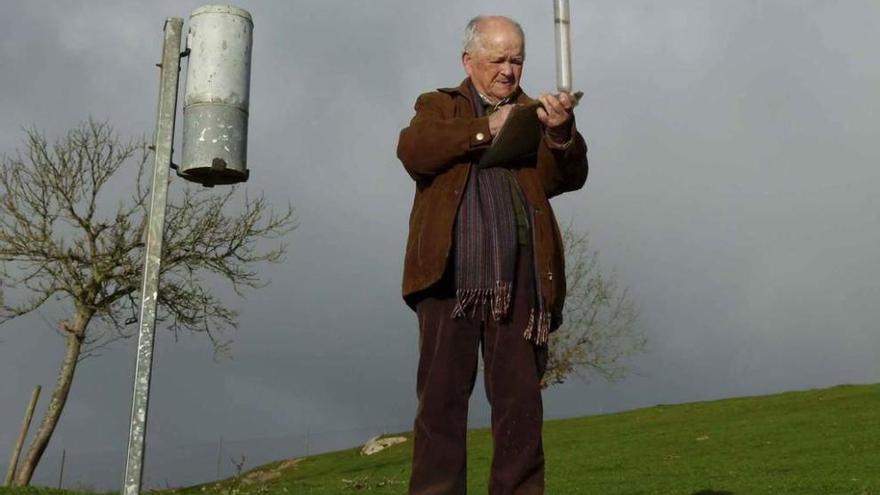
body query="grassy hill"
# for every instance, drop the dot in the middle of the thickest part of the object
(815, 442)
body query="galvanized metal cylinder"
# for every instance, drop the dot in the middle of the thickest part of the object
(563, 45)
(216, 100)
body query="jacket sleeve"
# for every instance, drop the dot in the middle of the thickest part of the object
(562, 168)
(434, 141)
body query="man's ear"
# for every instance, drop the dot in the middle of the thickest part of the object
(466, 62)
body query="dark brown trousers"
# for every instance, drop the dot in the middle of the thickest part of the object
(447, 371)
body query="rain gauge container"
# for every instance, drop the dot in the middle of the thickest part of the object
(216, 99)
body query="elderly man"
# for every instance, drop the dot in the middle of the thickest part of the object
(484, 264)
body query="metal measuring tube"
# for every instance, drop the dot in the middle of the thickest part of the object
(563, 45)
(562, 19)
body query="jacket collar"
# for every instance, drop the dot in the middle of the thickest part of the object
(464, 89)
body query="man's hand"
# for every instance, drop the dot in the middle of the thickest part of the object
(497, 119)
(556, 115)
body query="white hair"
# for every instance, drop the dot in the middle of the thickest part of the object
(472, 42)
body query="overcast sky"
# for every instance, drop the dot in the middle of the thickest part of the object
(733, 188)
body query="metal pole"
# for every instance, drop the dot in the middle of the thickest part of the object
(219, 456)
(164, 140)
(61, 473)
(25, 425)
(308, 433)
(563, 45)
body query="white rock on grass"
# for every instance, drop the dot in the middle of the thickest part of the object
(377, 444)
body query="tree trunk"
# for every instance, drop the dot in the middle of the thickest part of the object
(53, 410)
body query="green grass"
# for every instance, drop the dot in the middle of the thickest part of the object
(816, 442)
(39, 490)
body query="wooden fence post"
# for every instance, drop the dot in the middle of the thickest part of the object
(25, 425)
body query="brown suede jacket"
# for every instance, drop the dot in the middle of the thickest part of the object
(437, 149)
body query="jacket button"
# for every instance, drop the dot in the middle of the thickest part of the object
(480, 136)
(549, 275)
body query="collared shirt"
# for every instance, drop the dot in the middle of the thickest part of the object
(491, 107)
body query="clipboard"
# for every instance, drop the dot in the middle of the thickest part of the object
(519, 137)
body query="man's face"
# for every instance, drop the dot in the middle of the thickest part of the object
(495, 66)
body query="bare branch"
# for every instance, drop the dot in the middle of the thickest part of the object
(60, 239)
(600, 326)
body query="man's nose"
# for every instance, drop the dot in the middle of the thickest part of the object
(507, 69)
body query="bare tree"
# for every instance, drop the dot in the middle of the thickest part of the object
(62, 241)
(600, 320)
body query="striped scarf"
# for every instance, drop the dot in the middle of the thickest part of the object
(486, 246)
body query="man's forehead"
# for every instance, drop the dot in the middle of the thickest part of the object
(493, 51)
(508, 48)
